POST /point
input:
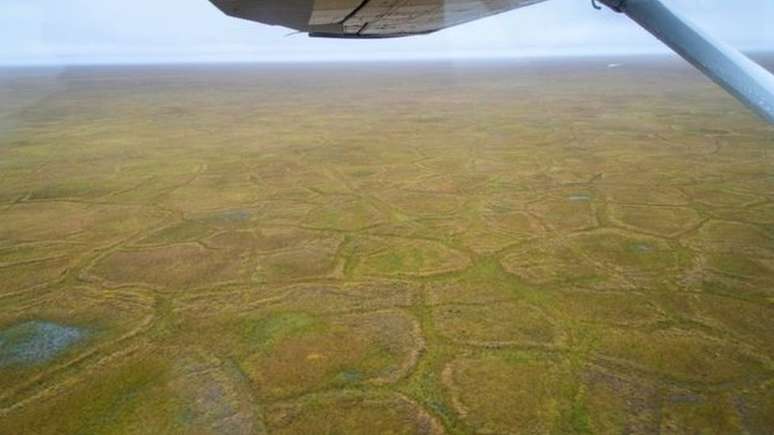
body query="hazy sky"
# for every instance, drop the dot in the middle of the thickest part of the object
(100, 31)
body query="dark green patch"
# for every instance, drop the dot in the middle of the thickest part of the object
(265, 332)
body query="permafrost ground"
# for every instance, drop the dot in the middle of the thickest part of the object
(548, 247)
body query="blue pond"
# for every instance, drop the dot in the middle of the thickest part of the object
(640, 247)
(350, 376)
(231, 216)
(35, 342)
(579, 197)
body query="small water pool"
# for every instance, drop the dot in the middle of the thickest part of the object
(35, 342)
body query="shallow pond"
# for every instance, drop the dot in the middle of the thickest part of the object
(35, 342)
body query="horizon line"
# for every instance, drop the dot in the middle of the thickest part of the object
(344, 58)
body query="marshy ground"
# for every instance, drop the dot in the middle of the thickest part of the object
(498, 247)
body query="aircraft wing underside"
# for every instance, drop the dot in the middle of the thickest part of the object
(740, 76)
(367, 18)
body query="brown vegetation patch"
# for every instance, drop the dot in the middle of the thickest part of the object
(466, 293)
(739, 238)
(215, 399)
(531, 392)
(32, 274)
(344, 215)
(499, 323)
(757, 408)
(615, 404)
(175, 267)
(279, 238)
(437, 184)
(630, 309)
(687, 412)
(430, 228)
(719, 197)
(352, 413)
(356, 296)
(284, 211)
(484, 241)
(26, 253)
(494, 232)
(236, 241)
(52, 221)
(565, 215)
(126, 394)
(560, 264)
(214, 192)
(422, 204)
(732, 273)
(647, 261)
(518, 224)
(681, 355)
(315, 259)
(399, 257)
(749, 321)
(645, 195)
(662, 221)
(185, 231)
(761, 215)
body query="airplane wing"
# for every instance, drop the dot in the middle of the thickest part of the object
(366, 18)
(744, 79)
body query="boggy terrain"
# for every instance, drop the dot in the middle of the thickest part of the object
(493, 247)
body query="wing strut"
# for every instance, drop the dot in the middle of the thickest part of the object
(736, 73)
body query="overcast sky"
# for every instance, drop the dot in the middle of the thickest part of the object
(140, 31)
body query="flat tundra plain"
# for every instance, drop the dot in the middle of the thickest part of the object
(552, 246)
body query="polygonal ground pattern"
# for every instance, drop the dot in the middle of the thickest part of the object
(293, 353)
(430, 250)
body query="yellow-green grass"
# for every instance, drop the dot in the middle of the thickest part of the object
(441, 248)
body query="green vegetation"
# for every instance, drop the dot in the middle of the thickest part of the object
(437, 249)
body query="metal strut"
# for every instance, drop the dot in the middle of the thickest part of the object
(749, 82)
